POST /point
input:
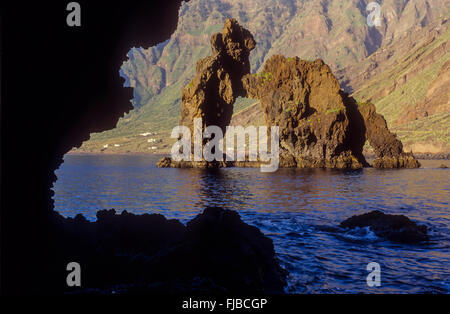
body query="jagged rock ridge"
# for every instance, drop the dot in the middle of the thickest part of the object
(218, 81)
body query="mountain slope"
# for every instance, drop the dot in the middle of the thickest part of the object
(412, 91)
(333, 30)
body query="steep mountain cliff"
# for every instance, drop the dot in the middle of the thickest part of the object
(333, 30)
(409, 81)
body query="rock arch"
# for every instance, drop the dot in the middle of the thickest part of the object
(320, 125)
(388, 148)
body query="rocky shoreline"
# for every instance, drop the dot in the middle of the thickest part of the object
(216, 252)
(419, 156)
(430, 156)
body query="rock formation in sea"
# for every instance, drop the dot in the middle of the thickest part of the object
(303, 98)
(320, 126)
(397, 228)
(218, 82)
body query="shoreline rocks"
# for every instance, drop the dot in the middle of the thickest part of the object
(167, 162)
(396, 228)
(432, 156)
(216, 252)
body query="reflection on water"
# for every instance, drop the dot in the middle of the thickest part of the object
(296, 208)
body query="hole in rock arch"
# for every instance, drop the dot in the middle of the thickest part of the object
(368, 152)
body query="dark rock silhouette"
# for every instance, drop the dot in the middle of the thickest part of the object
(127, 253)
(397, 228)
(59, 84)
(320, 125)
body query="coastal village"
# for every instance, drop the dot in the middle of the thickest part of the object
(147, 142)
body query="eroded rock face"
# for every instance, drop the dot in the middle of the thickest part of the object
(320, 125)
(303, 98)
(218, 81)
(387, 147)
(397, 228)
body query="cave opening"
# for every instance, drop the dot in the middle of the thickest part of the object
(74, 92)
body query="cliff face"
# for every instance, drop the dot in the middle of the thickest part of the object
(409, 82)
(320, 125)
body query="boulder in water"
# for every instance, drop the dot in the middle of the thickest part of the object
(397, 228)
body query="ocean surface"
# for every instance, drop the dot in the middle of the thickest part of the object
(296, 208)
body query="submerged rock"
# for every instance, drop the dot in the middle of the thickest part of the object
(126, 253)
(397, 228)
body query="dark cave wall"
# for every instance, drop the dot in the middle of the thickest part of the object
(59, 84)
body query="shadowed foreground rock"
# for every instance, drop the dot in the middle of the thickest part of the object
(397, 228)
(86, 96)
(215, 253)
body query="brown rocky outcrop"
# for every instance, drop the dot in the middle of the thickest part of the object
(387, 147)
(218, 82)
(320, 125)
(303, 99)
